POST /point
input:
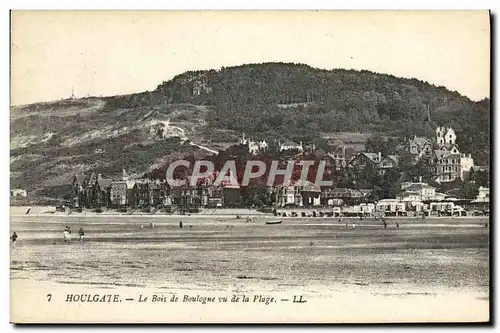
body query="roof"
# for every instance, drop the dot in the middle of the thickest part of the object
(388, 201)
(80, 178)
(154, 186)
(419, 186)
(420, 141)
(139, 184)
(395, 158)
(104, 183)
(290, 143)
(308, 186)
(441, 153)
(481, 200)
(371, 156)
(408, 193)
(118, 183)
(176, 182)
(481, 168)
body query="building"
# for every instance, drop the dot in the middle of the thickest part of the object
(390, 207)
(300, 194)
(290, 145)
(340, 196)
(157, 193)
(419, 147)
(466, 163)
(483, 195)
(139, 194)
(337, 160)
(254, 147)
(118, 193)
(18, 193)
(387, 163)
(103, 191)
(445, 137)
(375, 161)
(446, 166)
(79, 195)
(364, 159)
(423, 191)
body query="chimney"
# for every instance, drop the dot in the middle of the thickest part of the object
(420, 179)
(379, 156)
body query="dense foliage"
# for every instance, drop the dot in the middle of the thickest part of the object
(300, 102)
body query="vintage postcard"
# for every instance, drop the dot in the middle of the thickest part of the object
(250, 167)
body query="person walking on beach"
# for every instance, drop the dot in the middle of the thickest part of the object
(14, 239)
(180, 224)
(67, 234)
(81, 234)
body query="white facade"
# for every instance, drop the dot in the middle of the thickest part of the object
(18, 193)
(390, 205)
(418, 191)
(445, 136)
(254, 147)
(466, 163)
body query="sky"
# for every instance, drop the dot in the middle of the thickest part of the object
(104, 53)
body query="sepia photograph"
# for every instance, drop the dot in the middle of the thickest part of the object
(223, 166)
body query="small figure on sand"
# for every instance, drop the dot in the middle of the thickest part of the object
(180, 224)
(81, 233)
(353, 224)
(14, 239)
(340, 219)
(67, 234)
(151, 224)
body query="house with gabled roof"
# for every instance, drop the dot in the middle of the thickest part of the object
(419, 147)
(102, 190)
(364, 159)
(388, 162)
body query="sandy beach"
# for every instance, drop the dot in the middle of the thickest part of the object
(434, 270)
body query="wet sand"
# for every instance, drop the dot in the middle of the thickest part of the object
(418, 272)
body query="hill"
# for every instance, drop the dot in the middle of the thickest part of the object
(52, 141)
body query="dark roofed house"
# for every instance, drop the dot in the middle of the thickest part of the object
(79, 195)
(364, 159)
(156, 193)
(141, 195)
(387, 163)
(103, 189)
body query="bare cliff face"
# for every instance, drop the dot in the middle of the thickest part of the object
(50, 142)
